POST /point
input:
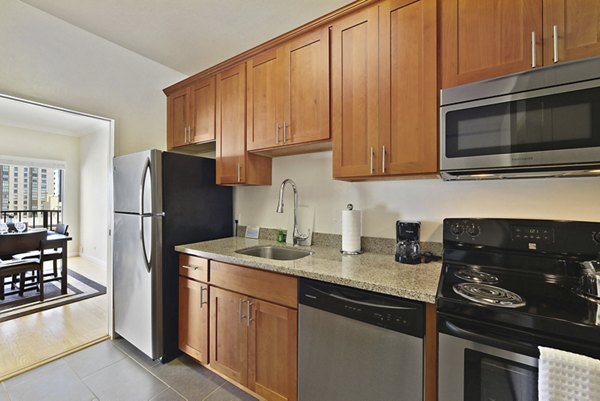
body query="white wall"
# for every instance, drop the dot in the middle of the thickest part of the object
(93, 195)
(41, 145)
(46, 59)
(430, 200)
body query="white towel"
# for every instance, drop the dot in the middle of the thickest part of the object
(567, 376)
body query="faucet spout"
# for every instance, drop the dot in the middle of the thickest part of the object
(296, 233)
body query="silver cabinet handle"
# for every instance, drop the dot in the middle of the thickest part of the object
(242, 310)
(276, 133)
(190, 267)
(285, 132)
(249, 313)
(533, 61)
(239, 172)
(383, 159)
(371, 166)
(555, 42)
(202, 301)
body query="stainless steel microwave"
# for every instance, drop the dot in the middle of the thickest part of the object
(541, 123)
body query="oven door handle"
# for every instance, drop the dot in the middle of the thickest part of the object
(509, 345)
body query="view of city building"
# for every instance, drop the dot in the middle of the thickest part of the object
(24, 190)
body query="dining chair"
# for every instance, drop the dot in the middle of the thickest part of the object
(53, 255)
(11, 244)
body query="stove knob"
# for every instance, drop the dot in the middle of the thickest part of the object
(597, 237)
(473, 230)
(456, 229)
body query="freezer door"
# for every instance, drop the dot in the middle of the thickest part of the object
(137, 290)
(137, 182)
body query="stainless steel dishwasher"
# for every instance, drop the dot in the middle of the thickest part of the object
(356, 345)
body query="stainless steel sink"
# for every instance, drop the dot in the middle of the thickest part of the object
(274, 252)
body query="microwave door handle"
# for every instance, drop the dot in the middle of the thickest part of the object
(514, 345)
(533, 60)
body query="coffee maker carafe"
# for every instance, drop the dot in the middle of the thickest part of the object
(408, 249)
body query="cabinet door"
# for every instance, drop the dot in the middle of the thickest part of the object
(264, 99)
(354, 93)
(202, 104)
(408, 87)
(231, 125)
(228, 334)
(272, 351)
(484, 39)
(193, 319)
(305, 77)
(578, 26)
(177, 118)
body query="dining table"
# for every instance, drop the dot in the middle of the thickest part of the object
(54, 241)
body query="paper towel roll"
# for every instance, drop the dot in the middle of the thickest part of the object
(351, 231)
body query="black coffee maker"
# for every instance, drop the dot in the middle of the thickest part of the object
(408, 249)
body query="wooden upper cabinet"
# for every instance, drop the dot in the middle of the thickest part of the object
(202, 101)
(384, 91)
(354, 93)
(234, 164)
(484, 39)
(178, 118)
(288, 93)
(264, 99)
(408, 87)
(577, 24)
(305, 81)
(191, 114)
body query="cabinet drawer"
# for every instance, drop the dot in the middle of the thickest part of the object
(273, 287)
(193, 267)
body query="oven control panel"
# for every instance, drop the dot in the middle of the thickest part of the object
(555, 236)
(532, 234)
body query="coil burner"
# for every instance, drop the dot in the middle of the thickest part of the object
(489, 295)
(474, 276)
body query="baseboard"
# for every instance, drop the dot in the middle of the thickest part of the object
(93, 259)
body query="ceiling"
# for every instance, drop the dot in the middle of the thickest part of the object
(34, 116)
(187, 35)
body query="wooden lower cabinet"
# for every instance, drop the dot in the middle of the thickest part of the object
(193, 318)
(272, 345)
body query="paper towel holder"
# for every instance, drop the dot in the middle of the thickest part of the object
(349, 206)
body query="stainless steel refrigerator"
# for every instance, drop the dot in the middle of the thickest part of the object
(161, 199)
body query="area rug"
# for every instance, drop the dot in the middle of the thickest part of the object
(79, 288)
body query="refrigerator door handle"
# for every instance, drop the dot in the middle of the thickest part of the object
(147, 258)
(143, 185)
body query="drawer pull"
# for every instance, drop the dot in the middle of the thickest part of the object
(190, 267)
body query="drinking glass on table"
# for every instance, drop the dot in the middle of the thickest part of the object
(3, 228)
(20, 226)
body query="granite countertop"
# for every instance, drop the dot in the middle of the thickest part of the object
(369, 271)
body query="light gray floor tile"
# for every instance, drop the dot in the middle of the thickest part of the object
(94, 358)
(3, 394)
(57, 384)
(189, 378)
(168, 395)
(134, 353)
(34, 375)
(124, 380)
(229, 392)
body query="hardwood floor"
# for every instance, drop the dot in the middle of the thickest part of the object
(32, 340)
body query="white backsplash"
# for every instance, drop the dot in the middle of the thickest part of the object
(427, 200)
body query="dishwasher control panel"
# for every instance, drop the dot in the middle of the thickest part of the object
(386, 311)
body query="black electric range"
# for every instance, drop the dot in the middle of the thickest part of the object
(524, 278)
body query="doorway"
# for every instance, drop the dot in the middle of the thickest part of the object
(84, 145)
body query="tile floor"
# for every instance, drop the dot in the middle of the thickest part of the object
(116, 371)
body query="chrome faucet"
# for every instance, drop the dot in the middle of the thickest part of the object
(296, 233)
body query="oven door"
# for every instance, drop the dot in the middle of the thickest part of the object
(476, 365)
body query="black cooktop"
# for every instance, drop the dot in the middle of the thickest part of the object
(543, 269)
